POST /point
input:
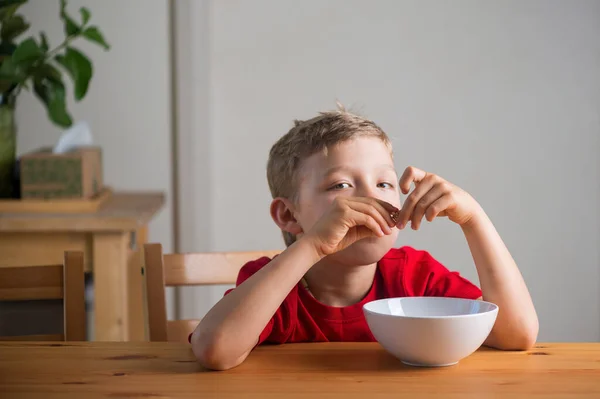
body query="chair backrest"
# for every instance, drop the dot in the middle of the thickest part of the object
(190, 269)
(66, 282)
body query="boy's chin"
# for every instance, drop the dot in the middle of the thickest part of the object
(366, 251)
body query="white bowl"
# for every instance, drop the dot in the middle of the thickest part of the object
(430, 331)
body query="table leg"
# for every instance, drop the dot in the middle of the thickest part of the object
(136, 308)
(111, 275)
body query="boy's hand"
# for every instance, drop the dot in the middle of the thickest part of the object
(433, 196)
(351, 219)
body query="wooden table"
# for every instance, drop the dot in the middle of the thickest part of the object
(348, 370)
(111, 240)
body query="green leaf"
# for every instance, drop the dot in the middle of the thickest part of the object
(5, 86)
(80, 69)
(52, 94)
(48, 71)
(9, 71)
(44, 45)
(8, 8)
(7, 49)
(7, 3)
(71, 27)
(85, 15)
(13, 27)
(27, 51)
(93, 34)
(8, 76)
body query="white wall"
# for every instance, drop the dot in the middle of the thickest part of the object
(129, 99)
(195, 155)
(500, 98)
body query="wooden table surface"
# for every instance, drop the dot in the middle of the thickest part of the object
(123, 211)
(344, 370)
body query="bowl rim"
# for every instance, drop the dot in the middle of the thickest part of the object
(494, 309)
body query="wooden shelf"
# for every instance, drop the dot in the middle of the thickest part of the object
(55, 205)
(121, 211)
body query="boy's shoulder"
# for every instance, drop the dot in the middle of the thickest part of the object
(407, 257)
(420, 274)
(406, 262)
(251, 267)
(403, 252)
(395, 258)
(413, 271)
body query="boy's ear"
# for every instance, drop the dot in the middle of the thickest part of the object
(282, 212)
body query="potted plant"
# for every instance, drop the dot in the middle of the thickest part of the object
(32, 64)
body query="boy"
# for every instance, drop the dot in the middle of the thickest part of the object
(336, 198)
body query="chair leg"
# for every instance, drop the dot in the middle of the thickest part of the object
(74, 297)
(155, 292)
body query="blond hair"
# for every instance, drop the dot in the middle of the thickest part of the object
(307, 138)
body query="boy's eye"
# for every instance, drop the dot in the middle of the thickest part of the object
(386, 185)
(340, 186)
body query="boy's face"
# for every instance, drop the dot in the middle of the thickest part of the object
(360, 167)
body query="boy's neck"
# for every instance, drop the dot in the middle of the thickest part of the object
(340, 285)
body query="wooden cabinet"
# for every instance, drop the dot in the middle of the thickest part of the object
(112, 240)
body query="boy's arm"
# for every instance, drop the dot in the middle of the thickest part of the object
(501, 282)
(231, 329)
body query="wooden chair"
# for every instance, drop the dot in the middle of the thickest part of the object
(192, 269)
(64, 282)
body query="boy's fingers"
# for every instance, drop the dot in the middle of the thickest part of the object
(364, 219)
(438, 207)
(392, 213)
(372, 210)
(410, 175)
(385, 208)
(421, 207)
(411, 201)
(388, 207)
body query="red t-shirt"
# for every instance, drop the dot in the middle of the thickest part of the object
(402, 272)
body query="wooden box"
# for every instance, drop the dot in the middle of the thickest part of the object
(76, 174)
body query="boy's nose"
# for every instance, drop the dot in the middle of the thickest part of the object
(367, 191)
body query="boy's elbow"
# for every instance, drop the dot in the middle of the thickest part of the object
(528, 334)
(209, 358)
(212, 356)
(521, 340)
(529, 337)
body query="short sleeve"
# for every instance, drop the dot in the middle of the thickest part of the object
(425, 276)
(278, 329)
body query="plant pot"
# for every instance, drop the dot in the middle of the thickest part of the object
(8, 150)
